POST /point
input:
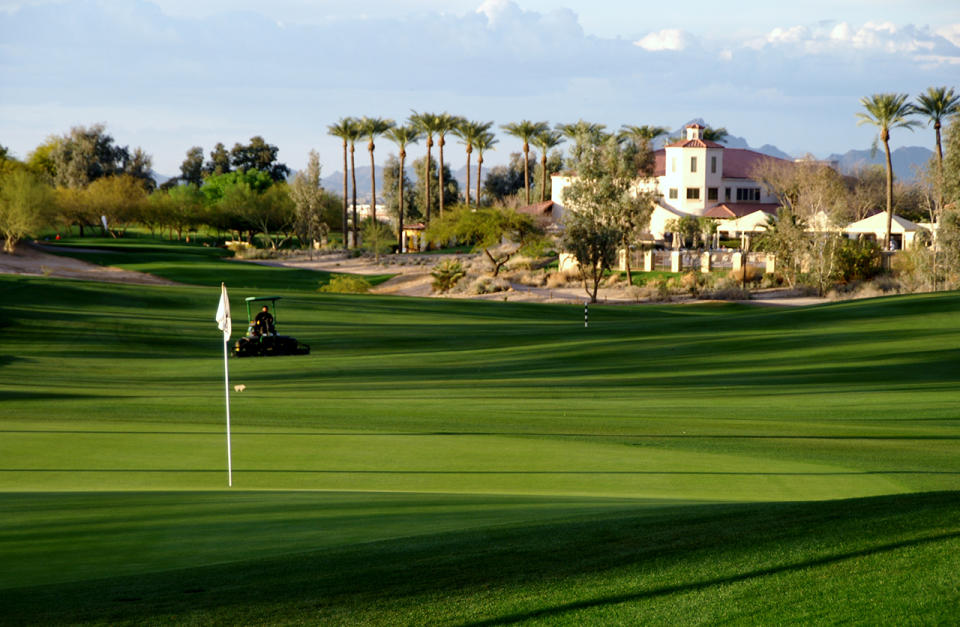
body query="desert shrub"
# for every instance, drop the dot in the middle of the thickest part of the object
(489, 285)
(693, 282)
(533, 278)
(857, 260)
(563, 279)
(346, 284)
(613, 280)
(727, 289)
(446, 274)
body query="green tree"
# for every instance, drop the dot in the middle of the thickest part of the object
(345, 129)
(497, 231)
(41, 160)
(377, 238)
(402, 136)
(525, 130)
(25, 206)
(484, 142)
(219, 162)
(504, 181)
(139, 165)
(582, 134)
(118, 198)
(887, 112)
(191, 170)
(84, 155)
(545, 140)
(593, 241)
(373, 128)
(604, 200)
(469, 132)
(307, 195)
(451, 190)
(186, 207)
(428, 124)
(258, 155)
(951, 164)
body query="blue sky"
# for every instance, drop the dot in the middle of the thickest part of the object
(170, 74)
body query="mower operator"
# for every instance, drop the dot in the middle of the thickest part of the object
(263, 323)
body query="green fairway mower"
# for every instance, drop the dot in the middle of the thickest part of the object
(262, 339)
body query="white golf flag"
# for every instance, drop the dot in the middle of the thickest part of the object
(223, 314)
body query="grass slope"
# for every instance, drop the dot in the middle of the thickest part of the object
(462, 462)
(194, 265)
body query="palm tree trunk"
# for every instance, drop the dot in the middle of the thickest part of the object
(526, 169)
(373, 186)
(543, 177)
(440, 174)
(626, 248)
(353, 177)
(479, 170)
(469, 150)
(403, 156)
(426, 179)
(939, 181)
(936, 128)
(346, 208)
(886, 149)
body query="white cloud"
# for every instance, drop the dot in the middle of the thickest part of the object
(884, 38)
(950, 32)
(666, 39)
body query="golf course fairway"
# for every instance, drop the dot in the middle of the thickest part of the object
(463, 462)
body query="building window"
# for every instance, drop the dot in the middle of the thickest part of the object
(673, 164)
(713, 165)
(693, 193)
(673, 193)
(711, 193)
(748, 194)
(693, 164)
(726, 193)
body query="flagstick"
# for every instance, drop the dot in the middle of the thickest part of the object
(226, 386)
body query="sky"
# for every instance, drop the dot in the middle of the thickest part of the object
(170, 74)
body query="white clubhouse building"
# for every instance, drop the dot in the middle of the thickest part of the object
(698, 177)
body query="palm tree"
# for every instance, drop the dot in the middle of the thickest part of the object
(345, 129)
(545, 140)
(427, 124)
(641, 135)
(582, 133)
(468, 131)
(525, 130)
(484, 141)
(401, 136)
(718, 135)
(373, 127)
(355, 134)
(938, 103)
(887, 111)
(445, 124)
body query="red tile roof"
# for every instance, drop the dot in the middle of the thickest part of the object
(695, 143)
(740, 209)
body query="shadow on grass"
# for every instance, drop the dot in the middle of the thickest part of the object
(701, 585)
(449, 577)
